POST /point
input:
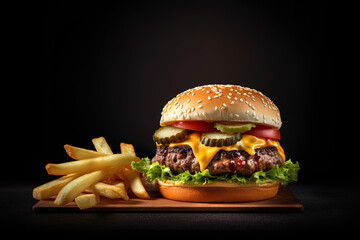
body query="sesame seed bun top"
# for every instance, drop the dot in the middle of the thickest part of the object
(221, 103)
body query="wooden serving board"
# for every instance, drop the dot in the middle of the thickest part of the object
(284, 201)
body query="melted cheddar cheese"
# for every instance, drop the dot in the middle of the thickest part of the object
(205, 154)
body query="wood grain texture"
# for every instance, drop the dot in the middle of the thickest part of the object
(284, 201)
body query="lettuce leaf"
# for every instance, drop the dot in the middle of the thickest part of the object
(154, 171)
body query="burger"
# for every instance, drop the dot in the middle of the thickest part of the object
(219, 143)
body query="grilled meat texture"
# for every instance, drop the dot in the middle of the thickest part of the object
(181, 158)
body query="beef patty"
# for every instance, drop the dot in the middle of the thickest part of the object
(181, 158)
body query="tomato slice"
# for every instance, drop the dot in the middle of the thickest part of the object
(195, 125)
(263, 131)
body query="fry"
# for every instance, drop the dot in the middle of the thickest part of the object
(52, 188)
(98, 173)
(101, 145)
(109, 191)
(87, 200)
(127, 149)
(76, 186)
(135, 183)
(81, 153)
(133, 177)
(122, 186)
(88, 165)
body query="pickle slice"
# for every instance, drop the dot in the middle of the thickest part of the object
(238, 128)
(170, 134)
(219, 139)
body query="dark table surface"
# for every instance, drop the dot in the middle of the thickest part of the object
(326, 209)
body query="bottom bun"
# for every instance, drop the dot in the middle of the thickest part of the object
(218, 192)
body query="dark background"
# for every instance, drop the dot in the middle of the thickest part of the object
(108, 69)
(75, 71)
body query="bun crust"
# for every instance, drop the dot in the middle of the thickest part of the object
(224, 192)
(221, 103)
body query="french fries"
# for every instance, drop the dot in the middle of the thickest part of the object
(132, 176)
(136, 185)
(76, 186)
(101, 145)
(86, 201)
(89, 165)
(92, 175)
(81, 153)
(52, 188)
(127, 149)
(109, 191)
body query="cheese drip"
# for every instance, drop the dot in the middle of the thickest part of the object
(205, 154)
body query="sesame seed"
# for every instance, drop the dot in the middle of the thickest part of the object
(200, 106)
(224, 105)
(241, 99)
(207, 91)
(188, 100)
(232, 102)
(193, 109)
(216, 96)
(216, 108)
(228, 97)
(209, 97)
(199, 101)
(230, 94)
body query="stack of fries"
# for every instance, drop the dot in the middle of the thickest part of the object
(93, 174)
